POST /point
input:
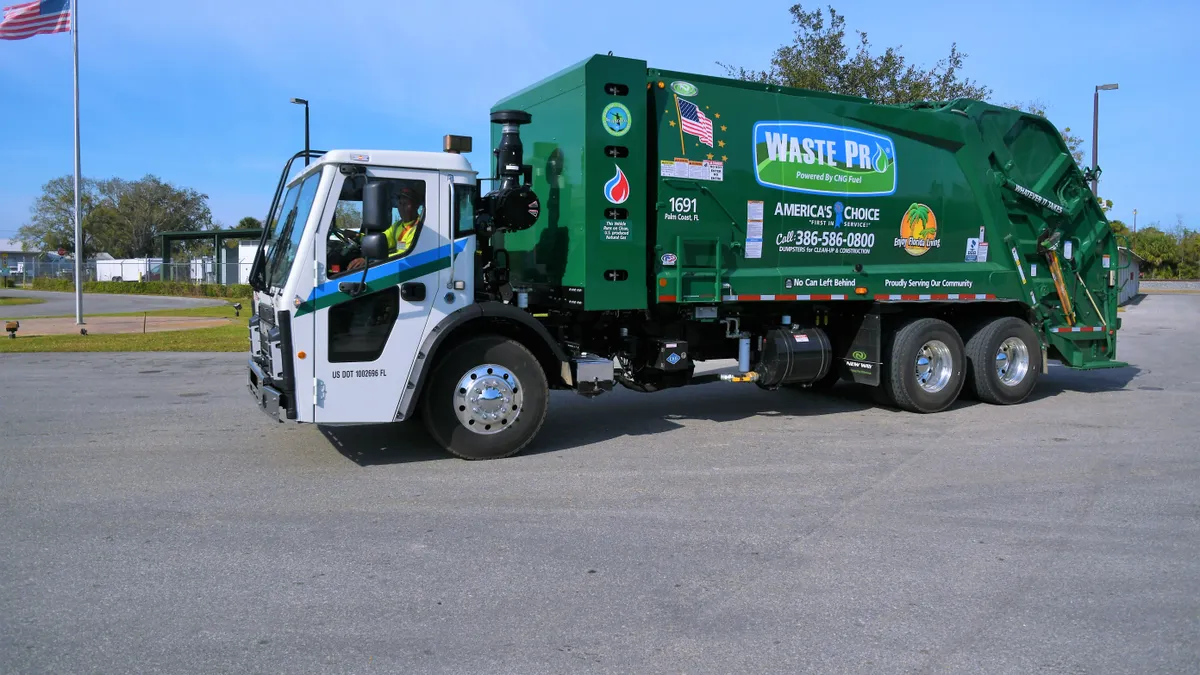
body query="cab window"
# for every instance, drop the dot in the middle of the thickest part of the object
(343, 253)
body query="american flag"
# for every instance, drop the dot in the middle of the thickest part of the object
(33, 18)
(695, 123)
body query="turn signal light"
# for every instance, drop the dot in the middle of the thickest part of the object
(860, 291)
(301, 354)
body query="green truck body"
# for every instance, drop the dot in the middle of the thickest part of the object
(640, 222)
(665, 188)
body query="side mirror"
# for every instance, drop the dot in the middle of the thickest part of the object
(377, 208)
(374, 246)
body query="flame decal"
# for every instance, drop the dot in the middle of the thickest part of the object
(880, 159)
(616, 190)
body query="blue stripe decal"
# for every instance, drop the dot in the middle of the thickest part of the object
(389, 268)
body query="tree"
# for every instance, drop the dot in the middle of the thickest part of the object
(819, 60)
(149, 207)
(1189, 254)
(1159, 249)
(249, 223)
(119, 217)
(52, 222)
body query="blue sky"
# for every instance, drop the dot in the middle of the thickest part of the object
(197, 93)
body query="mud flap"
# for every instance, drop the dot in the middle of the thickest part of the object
(864, 358)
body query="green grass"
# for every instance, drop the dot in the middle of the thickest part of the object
(231, 338)
(5, 301)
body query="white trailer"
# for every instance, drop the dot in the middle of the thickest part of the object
(125, 269)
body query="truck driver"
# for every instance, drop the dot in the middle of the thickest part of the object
(402, 232)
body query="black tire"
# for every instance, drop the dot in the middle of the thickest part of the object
(438, 405)
(983, 349)
(900, 384)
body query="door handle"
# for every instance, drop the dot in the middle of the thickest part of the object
(413, 291)
(352, 288)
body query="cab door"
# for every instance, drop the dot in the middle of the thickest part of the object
(365, 343)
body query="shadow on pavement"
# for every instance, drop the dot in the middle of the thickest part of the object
(574, 421)
(1061, 379)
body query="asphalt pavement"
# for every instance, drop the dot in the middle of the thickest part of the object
(155, 521)
(63, 304)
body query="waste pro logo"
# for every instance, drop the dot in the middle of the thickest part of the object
(824, 159)
(918, 231)
(616, 190)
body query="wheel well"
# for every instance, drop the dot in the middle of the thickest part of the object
(514, 330)
(966, 317)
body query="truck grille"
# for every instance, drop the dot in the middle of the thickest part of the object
(266, 314)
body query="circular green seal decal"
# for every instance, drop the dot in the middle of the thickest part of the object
(684, 88)
(616, 119)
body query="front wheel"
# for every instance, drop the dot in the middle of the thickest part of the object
(1005, 359)
(487, 398)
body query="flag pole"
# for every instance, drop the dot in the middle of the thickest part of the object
(79, 252)
(679, 116)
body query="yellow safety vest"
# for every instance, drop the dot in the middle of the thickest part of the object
(406, 233)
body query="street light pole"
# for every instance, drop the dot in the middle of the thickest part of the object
(300, 101)
(1096, 131)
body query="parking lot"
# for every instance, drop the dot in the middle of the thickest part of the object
(156, 521)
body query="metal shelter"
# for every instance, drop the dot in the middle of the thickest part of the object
(218, 237)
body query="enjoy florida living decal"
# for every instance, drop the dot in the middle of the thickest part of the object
(824, 159)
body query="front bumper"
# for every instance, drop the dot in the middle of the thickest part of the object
(269, 399)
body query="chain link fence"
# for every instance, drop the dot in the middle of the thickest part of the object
(22, 273)
(197, 271)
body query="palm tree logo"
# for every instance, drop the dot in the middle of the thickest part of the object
(918, 229)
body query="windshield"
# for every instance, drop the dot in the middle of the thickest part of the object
(293, 213)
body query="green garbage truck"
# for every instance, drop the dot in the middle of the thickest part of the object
(635, 222)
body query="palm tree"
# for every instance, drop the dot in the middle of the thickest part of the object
(918, 213)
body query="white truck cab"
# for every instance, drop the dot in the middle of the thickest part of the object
(366, 272)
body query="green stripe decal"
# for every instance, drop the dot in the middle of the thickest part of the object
(373, 286)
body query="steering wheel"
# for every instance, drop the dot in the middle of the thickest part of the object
(341, 234)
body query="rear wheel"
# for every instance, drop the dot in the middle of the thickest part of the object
(487, 399)
(1005, 360)
(926, 366)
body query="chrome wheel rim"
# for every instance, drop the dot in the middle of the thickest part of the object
(1012, 361)
(934, 366)
(487, 399)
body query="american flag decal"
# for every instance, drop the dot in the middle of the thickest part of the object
(694, 122)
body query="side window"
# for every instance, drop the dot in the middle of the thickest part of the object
(464, 209)
(343, 253)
